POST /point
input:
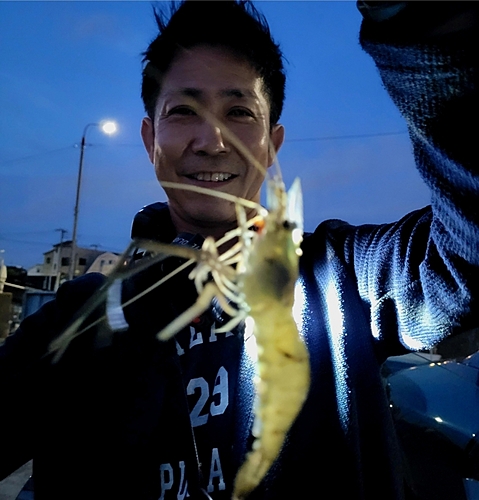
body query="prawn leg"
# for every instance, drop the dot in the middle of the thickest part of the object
(208, 261)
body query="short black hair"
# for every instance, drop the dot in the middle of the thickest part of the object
(233, 24)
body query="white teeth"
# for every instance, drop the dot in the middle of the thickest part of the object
(212, 177)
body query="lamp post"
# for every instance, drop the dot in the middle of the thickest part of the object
(108, 127)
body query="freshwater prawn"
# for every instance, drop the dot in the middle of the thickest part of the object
(253, 281)
(283, 380)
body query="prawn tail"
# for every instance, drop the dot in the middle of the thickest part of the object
(282, 388)
(249, 475)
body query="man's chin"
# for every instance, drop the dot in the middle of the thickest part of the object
(217, 219)
(205, 218)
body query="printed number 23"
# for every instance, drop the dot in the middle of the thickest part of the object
(216, 408)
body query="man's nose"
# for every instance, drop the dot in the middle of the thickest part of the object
(209, 140)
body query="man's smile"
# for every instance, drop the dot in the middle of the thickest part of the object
(211, 176)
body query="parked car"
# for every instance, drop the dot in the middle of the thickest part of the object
(435, 406)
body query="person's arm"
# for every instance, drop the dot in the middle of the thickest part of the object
(22, 360)
(421, 275)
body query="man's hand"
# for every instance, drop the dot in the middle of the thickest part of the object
(379, 11)
(420, 20)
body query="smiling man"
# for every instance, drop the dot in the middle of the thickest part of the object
(123, 416)
(187, 148)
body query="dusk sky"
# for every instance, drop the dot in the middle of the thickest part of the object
(66, 64)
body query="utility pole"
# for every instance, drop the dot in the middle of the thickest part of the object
(108, 127)
(59, 259)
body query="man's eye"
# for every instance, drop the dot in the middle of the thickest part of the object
(181, 110)
(240, 112)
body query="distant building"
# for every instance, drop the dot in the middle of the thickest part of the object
(56, 264)
(36, 278)
(104, 263)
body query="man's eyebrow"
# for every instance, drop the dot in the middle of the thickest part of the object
(197, 94)
(190, 92)
(235, 92)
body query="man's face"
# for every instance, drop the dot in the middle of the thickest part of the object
(189, 148)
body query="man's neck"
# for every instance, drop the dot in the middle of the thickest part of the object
(215, 231)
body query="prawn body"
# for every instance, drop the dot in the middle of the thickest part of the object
(271, 271)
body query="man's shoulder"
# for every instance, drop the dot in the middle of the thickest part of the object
(80, 289)
(153, 222)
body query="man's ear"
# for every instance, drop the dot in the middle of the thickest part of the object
(148, 136)
(276, 141)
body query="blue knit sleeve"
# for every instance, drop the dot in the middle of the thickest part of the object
(425, 268)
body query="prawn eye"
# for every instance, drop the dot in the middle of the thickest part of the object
(258, 226)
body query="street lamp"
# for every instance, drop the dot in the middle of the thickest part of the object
(108, 127)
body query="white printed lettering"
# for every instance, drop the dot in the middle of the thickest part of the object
(215, 472)
(196, 337)
(202, 385)
(183, 488)
(221, 388)
(166, 484)
(179, 349)
(213, 337)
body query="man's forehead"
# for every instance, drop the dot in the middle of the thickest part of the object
(212, 69)
(222, 93)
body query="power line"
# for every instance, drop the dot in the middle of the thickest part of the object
(26, 242)
(137, 145)
(306, 139)
(9, 233)
(352, 136)
(18, 160)
(44, 244)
